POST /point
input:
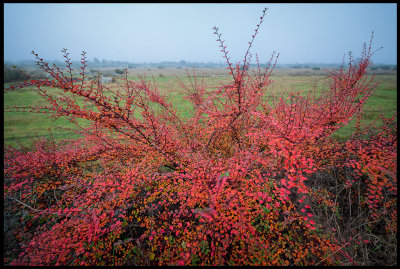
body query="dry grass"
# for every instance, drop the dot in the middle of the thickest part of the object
(364, 241)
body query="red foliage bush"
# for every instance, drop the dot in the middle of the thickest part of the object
(225, 186)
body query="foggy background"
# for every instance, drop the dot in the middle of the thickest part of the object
(301, 33)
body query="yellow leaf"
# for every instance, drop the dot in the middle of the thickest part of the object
(151, 256)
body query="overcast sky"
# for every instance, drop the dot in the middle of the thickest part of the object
(301, 33)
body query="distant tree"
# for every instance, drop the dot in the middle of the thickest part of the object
(12, 74)
(92, 70)
(119, 71)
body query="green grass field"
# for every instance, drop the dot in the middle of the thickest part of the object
(22, 127)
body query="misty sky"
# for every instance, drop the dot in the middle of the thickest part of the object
(301, 33)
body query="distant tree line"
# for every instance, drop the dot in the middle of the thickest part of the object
(13, 74)
(384, 67)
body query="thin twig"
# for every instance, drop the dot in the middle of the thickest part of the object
(22, 203)
(34, 209)
(335, 251)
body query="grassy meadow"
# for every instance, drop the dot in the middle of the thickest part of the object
(22, 127)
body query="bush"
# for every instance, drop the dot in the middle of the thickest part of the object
(119, 71)
(12, 74)
(242, 181)
(94, 70)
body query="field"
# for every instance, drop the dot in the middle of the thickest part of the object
(22, 127)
